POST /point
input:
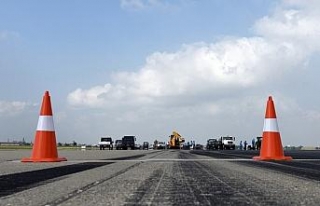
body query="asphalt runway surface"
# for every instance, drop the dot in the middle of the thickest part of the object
(160, 177)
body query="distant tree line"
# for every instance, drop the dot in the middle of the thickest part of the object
(23, 142)
(66, 144)
(16, 142)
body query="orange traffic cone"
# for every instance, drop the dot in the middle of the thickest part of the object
(271, 147)
(45, 146)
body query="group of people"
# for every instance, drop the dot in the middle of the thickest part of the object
(254, 145)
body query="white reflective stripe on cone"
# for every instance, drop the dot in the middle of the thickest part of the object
(45, 123)
(270, 125)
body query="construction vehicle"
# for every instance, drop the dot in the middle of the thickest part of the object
(176, 141)
(227, 142)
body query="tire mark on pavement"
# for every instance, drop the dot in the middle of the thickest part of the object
(166, 186)
(217, 189)
(191, 183)
(13, 183)
(127, 158)
(306, 170)
(221, 154)
(88, 186)
(210, 185)
(101, 181)
(150, 184)
(158, 185)
(156, 154)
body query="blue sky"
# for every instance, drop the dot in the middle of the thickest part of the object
(147, 67)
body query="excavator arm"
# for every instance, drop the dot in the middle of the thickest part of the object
(175, 140)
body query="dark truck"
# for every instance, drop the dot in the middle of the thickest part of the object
(213, 144)
(145, 145)
(106, 142)
(128, 142)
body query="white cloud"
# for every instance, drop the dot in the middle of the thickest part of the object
(294, 21)
(12, 108)
(195, 70)
(91, 97)
(283, 44)
(229, 80)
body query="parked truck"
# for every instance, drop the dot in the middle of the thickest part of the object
(106, 142)
(128, 142)
(145, 145)
(213, 144)
(227, 142)
(118, 144)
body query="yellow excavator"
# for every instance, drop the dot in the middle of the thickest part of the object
(175, 141)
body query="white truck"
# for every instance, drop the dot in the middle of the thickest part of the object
(106, 142)
(227, 142)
